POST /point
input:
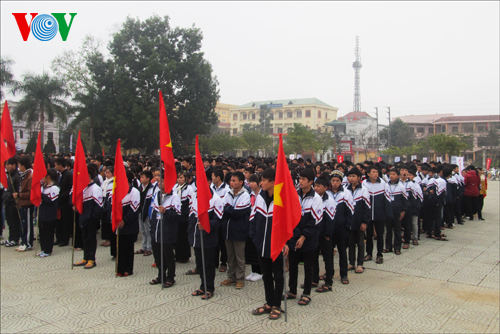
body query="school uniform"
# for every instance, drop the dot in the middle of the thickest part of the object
(450, 199)
(146, 195)
(64, 225)
(47, 217)
(260, 229)
(126, 235)
(11, 213)
(182, 248)
(406, 222)
(342, 220)
(414, 210)
(361, 215)
(381, 210)
(106, 228)
(459, 196)
(221, 191)
(251, 256)
(312, 213)
(235, 226)
(89, 219)
(436, 192)
(26, 209)
(399, 204)
(210, 240)
(169, 222)
(325, 247)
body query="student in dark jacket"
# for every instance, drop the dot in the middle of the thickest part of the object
(25, 207)
(89, 220)
(185, 192)
(399, 204)
(305, 237)
(451, 195)
(128, 228)
(147, 192)
(65, 223)
(261, 225)
(165, 216)
(326, 227)
(11, 208)
(210, 241)
(48, 213)
(360, 219)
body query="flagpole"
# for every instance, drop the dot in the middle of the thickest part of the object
(203, 262)
(74, 232)
(117, 250)
(284, 286)
(38, 226)
(160, 202)
(17, 204)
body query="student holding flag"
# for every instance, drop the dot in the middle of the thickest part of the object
(48, 212)
(25, 207)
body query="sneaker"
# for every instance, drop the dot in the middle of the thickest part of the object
(227, 282)
(21, 248)
(249, 277)
(24, 249)
(4, 242)
(11, 244)
(256, 277)
(42, 254)
(240, 285)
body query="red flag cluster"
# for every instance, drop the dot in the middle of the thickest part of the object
(120, 188)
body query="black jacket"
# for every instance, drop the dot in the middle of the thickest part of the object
(261, 224)
(312, 213)
(170, 219)
(7, 194)
(65, 185)
(362, 208)
(48, 207)
(130, 214)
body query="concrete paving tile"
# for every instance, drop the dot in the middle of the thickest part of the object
(49, 328)
(19, 322)
(77, 322)
(460, 326)
(107, 328)
(216, 326)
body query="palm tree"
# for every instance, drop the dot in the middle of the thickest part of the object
(6, 76)
(88, 110)
(43, 95)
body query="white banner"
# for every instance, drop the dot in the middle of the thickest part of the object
(397, 159)
(413, 157)
(454, 160)
(292, 156)
(460, 163)
(424, 159)
(439, 159)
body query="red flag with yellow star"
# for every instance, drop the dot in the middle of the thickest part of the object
(80, 176)
(287, 211)
(167, 154)
(120, 188)
(39, 172)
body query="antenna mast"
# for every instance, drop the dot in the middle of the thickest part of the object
(357, 67)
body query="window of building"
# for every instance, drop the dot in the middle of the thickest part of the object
(50, 135)
(235, 117)
(244, 116)
(319, 113)
(223, 112)
(280, 115)
(467, 127)
(20, 134)
(289, 114)
(253, 116)
(454, 129)
(495, 125)
(480, 128)
(483, 141)
(420, 130)
(431, 129)
(326, 115)
(299, 113)
(353, 140)
(280, 130)
(235, 131)
(443, 128)
(308, 113)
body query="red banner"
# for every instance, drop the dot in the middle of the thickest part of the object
(340, 159)
(379, 159)
(488, 164)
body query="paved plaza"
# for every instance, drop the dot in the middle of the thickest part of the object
(436, 287)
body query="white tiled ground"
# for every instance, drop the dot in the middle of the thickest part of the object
(436, 287)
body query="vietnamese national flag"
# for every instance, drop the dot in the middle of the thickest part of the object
(120, 188)
(4, 156)
(167, 154)
(203, 191)
(7, 131)
(80, 176)
(287, 210)
(39, 172)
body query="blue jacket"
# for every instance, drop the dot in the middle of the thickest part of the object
(312, 213)
(399, 197)
(343, 211)
(130, 216)
(379, 199)
(261, 224)
(92, 204)
(362, 207)
(326, 226)
(48, 207)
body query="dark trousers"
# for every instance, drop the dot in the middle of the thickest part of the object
(471, 205)
(12, 217)
(106, 230)
(126, 253)
(221, 248)
(89, 239)
(458, 209)
(112, 244)
(168, 261)
(182, 248)
(390, 224)
(340, 240)
(435, 217)
(209, 268)
(356, 238)
(46, 230)
(27, 229)
(448, 212)
(325, 247)
(272, 275)
(480, 204)
(406, 224)
(294, 259)
(379, 227)
(64, 225)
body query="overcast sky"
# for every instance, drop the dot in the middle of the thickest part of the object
(418, 58)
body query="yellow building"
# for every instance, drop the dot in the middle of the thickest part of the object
(309, 112)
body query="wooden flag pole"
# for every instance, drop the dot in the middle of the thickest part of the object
(160, 202)
(284, 286)
(74, 233)
(38, 226)
(117, 250)
(17, 204)
(203, 262)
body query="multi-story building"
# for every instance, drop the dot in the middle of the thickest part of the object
(310, 112)
(22, 134)
(223, 112)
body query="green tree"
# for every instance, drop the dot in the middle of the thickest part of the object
(42, 95)
(6, 76)
(325, 140)
(444, 144)
(146, 57)
(221, 143)
(265, 118)
(31, 146)
(300, 139)
(398, 134)
(255, 140)
(50, 147)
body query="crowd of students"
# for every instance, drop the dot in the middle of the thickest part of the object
(345, 206)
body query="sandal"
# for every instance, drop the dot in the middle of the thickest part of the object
(192, 272)
(397, 252)
(90, 264)
(140, 251)
(367, 258)
(263, 309)
(168, 284)
(350, 267)
(198, 293)
(314, 285)
(223, 269)
(304, 300)
(322, 277)
(415, 242)
(80, 263)
(430, 236)
(289, 296)
(406, 246)
(359, 270)
(441, 239)
(379, 260)
(344, 280)
(443, 235)
(275, 313)
(209, 295)
(147, 253)
(387, 250)
(324, 288)
(155, 281)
